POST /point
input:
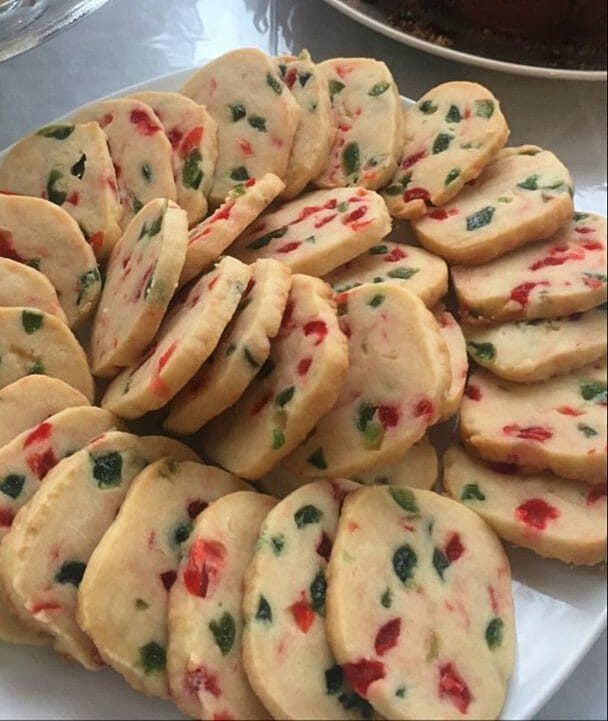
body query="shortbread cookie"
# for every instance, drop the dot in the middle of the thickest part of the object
(367, 118)
(315, 133)
(553, 517)
(525, 194)
(22, 286)
(122, 598)
(256, 116)
(210, 238)
(317, 232)
(192, 133)
(205, 617)
(284, 609)
(425, 274)
(457, 350)
(563, 275)
(187, 337)
(451, 133)
(557, 425)
(141, 277)
(297, 385)
(33, 342)
(394, 390)
(242, 351)
(37, 233)
(419, 606)
(69, 165)
(534, 350)
(140, 151)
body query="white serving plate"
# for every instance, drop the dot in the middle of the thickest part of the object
(560, 612)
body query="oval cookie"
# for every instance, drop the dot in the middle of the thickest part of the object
(22, 286)
(452, 334)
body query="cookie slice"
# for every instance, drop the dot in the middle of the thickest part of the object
(425, 274)
(204, 664)
(393, 391)
(367, 118)
(256, 116)
(210, 238)
(563, 275)
(141, 277)
(242, 351)
(297, 385)
(419, 606)
(33, 342)
(192, 133)
(557, 425)
(140, 150)
(452, 334)
(22, 286)
(451, 134)
(187, 337)
(43, 236)
(122, 598)
(69, 165)
(317, 232)
(551, 516)
(525, 194)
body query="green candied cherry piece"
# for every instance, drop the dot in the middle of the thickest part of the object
(224, 632)
(278, 544)
(594, 391)
(278, 439)
(37, 368)
(530, 183)
(33, 263)
(274, 84)
(342, 207)
(482, 351)
(404, 562)
(71, 572)
(85, 281)
(257, 122)
(480, 218)
(365, 413)
(12, 485)
(405, 498)
(141, 605)
(374, 435)
(587, 431)
(427, 107)
(441, 143)
(403, 273)
(107, 470)
(152, 657)
(386, 599)
(317, 459)
(472, 492)
(484, 108)
(249, 358)
(283, 397)
(400, 692)
(335, 87)
(318, 590)
(192, 173)
(306, 515)
(334, 678)
(266, 369)
(77, 170)
(394, 189)
(58, 132)
(376, 300)
(239, 174)
(598, 276)
(52, 193)
(577, 217)
(146, 171)
(494, 633)
(440, 562)
(237, 111)
(264, 612)
(353, 702)
(351, 159)
(31, 321)
(137, 205)
(453, 115)
(451, 176)
(264, 240)
(378, 250)
(303, 78)
(181, 533)
(378, 89)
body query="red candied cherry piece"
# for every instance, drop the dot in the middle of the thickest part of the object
(536, 513)
(361, 674)
(388, 636)
(452, 685)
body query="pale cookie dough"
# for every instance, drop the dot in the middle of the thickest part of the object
(122, 598)
(242, 351)
(140, 150)
(284, 610)
(317, 232)
(419, 606)
(210, 238)
(187, 337)
(12, 630)
(451, 333)
(557, 425)
(256, 115)
(204, 664)
(563, 275)
(45, 237)
(394, 389)
(69, 165)
(140, 280)
(367, 118)
(315, 133)
(22, 286)
(192, 133)
(33, 342)
(553, 517)
(425, 274)
(297, 385)
(525, 194)
(451, 133)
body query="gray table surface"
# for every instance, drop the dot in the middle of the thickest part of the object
(130, 41)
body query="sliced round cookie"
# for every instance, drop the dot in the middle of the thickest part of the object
(242, 351)
(394, 390)
(33, 342)
(256, 116)
(419, 606)
(451, 134)
(22, 286)
(210, 238)
(69, 165)
(318, 231)
(525, 194)
(141, 277)
(192, 133)
(187, 337)
(284, 609)
(425, 274)
(563, 275)
(551, 516)
(122, 598)
(452, 334)
(557, 425)
(140, 150)
(204, 655)
(367, 118)
(45, 237)
(297, 385)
